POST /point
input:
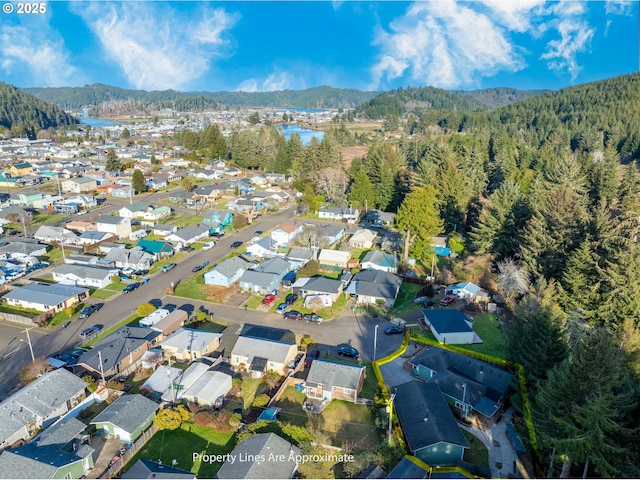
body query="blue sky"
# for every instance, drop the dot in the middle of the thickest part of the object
(266, 45)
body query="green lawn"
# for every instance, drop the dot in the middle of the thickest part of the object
(184, 220)
(53, 256)
(254, 302)
(102, 294)
(180, 445)
(192, 287)
(370, 385)
(217, 326)
(477, 453)
(488, 329)
(404, 302)
(19, 311)
(251, 388)
(161, 263)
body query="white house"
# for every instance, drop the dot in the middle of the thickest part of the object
(227, 272)
(119, 226)
(83, 275)
(284, 233)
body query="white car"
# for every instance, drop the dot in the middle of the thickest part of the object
(208, 245)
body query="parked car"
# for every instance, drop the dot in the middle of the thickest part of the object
(131, 287)
(236, 244)
(141, 273)
(216, 234)
(269, 299)
(311, 357)
(168, 267)
(294, 363)
(197, 268)
(186, 249)
(293, 315)
(89, 309)
(291, 299)
(78, 352)
(348, 351)
(258, 232)
(64, 358)
(282, 308)
(429, 303)
(393, 330)
(448, 300)
(87, 332)
(208, 245)
(127, 271)
(313, 317)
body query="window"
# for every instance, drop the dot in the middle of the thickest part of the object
(347, 391)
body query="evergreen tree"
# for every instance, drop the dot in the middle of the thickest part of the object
(138, 182)
(629, 189)
(361, 193)
(383, 165)
(113, 163)
(419, 217)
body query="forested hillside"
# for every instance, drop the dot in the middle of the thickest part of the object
(541, 199)
(25, 114)
(398, 103)
(106, 99)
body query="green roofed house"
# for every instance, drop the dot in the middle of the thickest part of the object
(61, 451)
(127, 417)
(157, 248)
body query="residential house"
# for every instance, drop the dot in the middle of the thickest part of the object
(439, 245)
(189, 235)
(362, 238)
(44, 297)
(136, 258)
(431, 430)
(187, 344)
(328, 380)
(82, 202)
(91, 237)
(209, 193)
(266, 277)
(263, 248)
(374, 286)
(329, 234)
(119, 226)
(348, 215)
(171, 322)
(180, 196)
(298, 257)
(227, 272)
(79, 185)
(22, 248)
(134, 210)
(155, 214)
(218, 220)
(472, 385)
(451, 326)
(157, 248)
(79, 226)
(378, 218)
(61, 451)
(148, 469)
(258, 356)
(117, 353)
(247, 202)
(163, 230)
(38, 405)
(7, 181)
(208, 390)
(319, 286)
(123, 192)
(161, 380)
(279, 458)
(467, 291)
(379, 260)
(11, 213)
(83, 275)
(127, 417)
(333, 259)
(19, 169)
(55, 235)
(156, 181)
(284, 233)
(81, 259)
(180, 383)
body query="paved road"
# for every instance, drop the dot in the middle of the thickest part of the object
(357, 331)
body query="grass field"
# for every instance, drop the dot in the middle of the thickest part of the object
(103, 294)
(477, 453)
(192, 287)
(404, 302)
(488, 329)
(180, 445)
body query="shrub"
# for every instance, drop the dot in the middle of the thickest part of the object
(261, 400)
(92, 386)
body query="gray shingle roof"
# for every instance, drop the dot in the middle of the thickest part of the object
(127, 412)
(261, 279)
(258, 347)
(187, 339)
(111, 220)
(192, 231)
(425, 416)
(447, 320)
(148, 469)
(261, 446)
(375, 283)
(275, 265)
(323, 285)
(229, 267)
(84, 271)
(334, 374)
(51, 295)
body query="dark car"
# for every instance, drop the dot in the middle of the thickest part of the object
(291, 299)
(168, 267)
(348, 351)
(311, 357)
(258, 232)
(294, 363)
(216, 234)
(88, 310)
(87, 332)
(393, 330)
(131, 287)
(64, 358)
(140, 273)
(186, 249)
(429, 303)
(312, 317)
(293, 315)
(197, 268)
(236, 244)
(78, 352)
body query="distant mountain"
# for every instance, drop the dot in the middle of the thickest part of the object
(418, 100)
(25, 114)
(107, 99)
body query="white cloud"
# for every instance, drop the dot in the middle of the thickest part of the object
(154, 45)
(516, 15)
(38, 52)
(443, 44)
(277, 80)
(575, 37)
(618, 7)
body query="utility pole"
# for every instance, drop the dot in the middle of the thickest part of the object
(33, 358)
(390, 407)
(101, 369)
(375, 342)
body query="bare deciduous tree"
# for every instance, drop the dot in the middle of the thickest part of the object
(332, 183)
(513, 280)
(34, 370)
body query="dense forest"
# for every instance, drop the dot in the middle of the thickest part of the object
(398, 103)
(25, 114)
(542, 198)
(108, 100)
